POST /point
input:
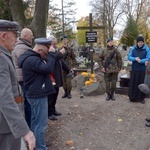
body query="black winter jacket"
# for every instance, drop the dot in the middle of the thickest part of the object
(36, 73)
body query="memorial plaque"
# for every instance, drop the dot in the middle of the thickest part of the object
(91, 37)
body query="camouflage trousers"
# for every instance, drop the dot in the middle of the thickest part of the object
(110, 81)
(67, 82)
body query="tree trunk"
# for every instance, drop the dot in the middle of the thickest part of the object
(39, 22)
(17, 11)
(104, 23)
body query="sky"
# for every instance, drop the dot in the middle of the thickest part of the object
(83, 8)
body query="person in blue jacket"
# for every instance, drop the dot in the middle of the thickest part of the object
(36, 66)
(139, 55)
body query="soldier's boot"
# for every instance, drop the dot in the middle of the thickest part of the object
(112, 95)
(65, 94)
(69, 95)
(108, 97)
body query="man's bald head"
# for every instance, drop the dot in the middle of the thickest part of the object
(27, 34)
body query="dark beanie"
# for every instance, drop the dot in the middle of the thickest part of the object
(140, 38)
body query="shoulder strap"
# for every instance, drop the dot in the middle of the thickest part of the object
(109, 58)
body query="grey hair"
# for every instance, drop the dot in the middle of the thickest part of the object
(51, 37)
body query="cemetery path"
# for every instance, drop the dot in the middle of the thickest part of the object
(92, 123)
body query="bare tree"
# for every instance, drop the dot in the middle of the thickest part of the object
(139, 10)
(107, 12)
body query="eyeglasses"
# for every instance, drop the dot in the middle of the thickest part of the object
(44, 51)
(47, 45)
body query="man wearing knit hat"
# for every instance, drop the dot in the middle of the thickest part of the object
(139, 55)
(140, 38)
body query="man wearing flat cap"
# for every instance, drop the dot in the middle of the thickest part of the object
(36, 66)
(6, 25)
(110, 62)
(12, 123)
(139, 55)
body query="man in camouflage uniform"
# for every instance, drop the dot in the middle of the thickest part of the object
(69, 58)
(110, 62)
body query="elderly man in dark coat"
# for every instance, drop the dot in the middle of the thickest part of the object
(60, 65)
(36, 66)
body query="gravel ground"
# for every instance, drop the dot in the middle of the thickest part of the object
(92, 123)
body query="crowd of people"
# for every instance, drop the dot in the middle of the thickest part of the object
(40, 71)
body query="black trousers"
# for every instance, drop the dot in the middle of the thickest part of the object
(136, 78)
(52, 102)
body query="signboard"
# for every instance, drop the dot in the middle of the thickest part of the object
(91, 37)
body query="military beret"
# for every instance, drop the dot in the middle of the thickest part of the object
(43, 41)
(6, 25)
(110, 39)
(64, 37)
(144, 88)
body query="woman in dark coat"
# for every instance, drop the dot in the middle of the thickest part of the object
(138, 54)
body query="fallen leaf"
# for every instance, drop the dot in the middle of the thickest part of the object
(72, 148)
(120, 120)
(69, 142)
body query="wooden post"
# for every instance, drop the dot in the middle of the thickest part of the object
(91, 44)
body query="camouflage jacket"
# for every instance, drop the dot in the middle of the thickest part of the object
(115, 63)
(69, 57)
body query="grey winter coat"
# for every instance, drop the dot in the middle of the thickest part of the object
(11, 118)
(21, 47)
